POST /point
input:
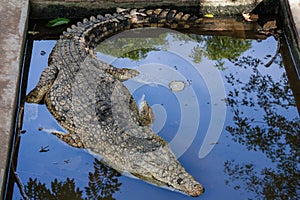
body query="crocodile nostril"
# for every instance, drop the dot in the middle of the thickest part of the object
(197, 190)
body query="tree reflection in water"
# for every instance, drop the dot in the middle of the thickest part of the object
(59, 190)
(264, 120)
(135, 48)
(218, 47)
(103, 183)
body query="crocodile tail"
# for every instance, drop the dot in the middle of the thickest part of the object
(165, 18)
(94, 30)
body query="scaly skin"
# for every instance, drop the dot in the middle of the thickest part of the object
(86, 96)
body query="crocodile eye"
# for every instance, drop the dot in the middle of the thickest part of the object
(179, 180)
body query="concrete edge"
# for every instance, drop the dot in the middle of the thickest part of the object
(79, 8)
(13, 25)
(291, 33)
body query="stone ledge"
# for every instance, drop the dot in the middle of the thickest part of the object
(81, 8)
(291, 20)
(295, 15)
(13, 14)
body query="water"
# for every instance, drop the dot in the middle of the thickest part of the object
(234, 126)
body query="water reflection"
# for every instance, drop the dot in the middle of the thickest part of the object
(103, 183)
(59, 190)
(132, 45)
(264, 120)
(217, 48)
(135, 48)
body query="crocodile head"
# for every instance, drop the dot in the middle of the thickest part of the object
(157, 164)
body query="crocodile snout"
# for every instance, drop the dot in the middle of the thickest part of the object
(197, 190)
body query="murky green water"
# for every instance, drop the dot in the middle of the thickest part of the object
(231, 121)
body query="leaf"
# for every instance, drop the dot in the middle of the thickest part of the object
(209, 15)
(58, 22)
(33, 32)
(250, 17)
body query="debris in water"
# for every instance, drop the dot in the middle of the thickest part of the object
(209, 16)
(176, 86)
(43, 53)
(44, 149)
(33, 32)
(250, 17)
(58, 22)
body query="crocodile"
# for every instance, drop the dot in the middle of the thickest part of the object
(87, 97)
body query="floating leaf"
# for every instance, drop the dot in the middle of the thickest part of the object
(33, 32)
(176, 86)
(58, 22)
(209, 15)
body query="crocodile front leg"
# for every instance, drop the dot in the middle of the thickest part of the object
(122, 74)
(146, 115)
(46, 80)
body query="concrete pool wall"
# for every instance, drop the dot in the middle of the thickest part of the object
(13, 25)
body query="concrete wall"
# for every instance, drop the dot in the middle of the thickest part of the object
(13, 15)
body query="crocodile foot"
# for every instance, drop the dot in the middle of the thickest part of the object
(122, 74)
(146, 115)
(70, 139)
(47, 78)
